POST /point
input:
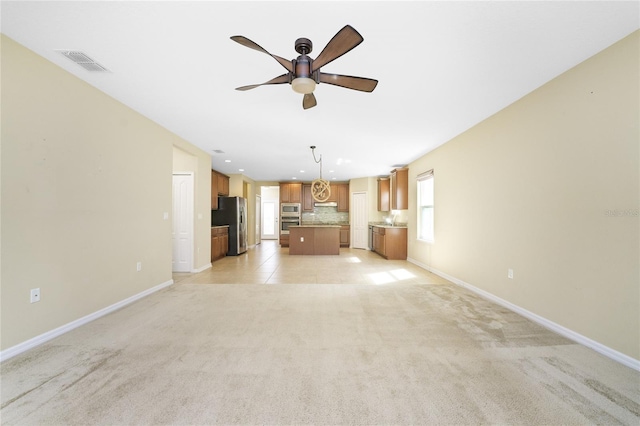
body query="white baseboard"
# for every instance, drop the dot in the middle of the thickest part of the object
(202, 268)
(38, 340)
(563, 331)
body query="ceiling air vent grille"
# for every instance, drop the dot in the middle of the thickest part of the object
(83, 60)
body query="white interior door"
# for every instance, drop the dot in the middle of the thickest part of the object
(270, 220)
(182, 235)
(359, 221)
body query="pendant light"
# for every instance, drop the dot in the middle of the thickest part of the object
(320, 188)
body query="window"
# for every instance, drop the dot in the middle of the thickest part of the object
(425, 206)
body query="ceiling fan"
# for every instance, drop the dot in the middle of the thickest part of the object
(303, 73)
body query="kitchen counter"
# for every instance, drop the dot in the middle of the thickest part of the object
(219, 226)
(311, 223)
(314, 226)
(387, 225)
(314, 240)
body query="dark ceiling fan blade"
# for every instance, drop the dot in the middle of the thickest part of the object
(281, 79)
(255, 46)
(345, 40)
(309, 101)
(355, 83)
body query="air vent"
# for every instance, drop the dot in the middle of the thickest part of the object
(218, 151)
(83, 60)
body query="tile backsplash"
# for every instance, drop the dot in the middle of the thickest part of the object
(325, 215)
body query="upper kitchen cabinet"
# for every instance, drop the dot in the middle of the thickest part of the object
(307, 198)
(400, 189)
(291, 192)
(343, 197)
(223, 185)
(339, 195)
(219, 187)
(214, 190)
(384, 194)
(333, 196)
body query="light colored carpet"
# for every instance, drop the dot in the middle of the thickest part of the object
(315, 354)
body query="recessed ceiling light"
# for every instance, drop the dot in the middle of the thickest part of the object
(330, 171)
(227, 161)
(301, 171)
(241, 170)
(294, 178)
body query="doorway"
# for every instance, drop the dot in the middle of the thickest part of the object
(182, 226)
(359, 220)
(270, 215)
(257, 220)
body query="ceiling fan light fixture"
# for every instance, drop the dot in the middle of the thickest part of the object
(303, 85)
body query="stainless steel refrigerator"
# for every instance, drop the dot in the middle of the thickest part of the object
(232, 211)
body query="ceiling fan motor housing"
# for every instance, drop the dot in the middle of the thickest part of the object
(303, 81)
(303, 46)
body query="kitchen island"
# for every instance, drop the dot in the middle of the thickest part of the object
(314, 239)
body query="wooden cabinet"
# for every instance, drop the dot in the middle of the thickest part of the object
(219, 242)
(223, 185)
(214, 190)
(393, 192)
(219, 187)
(400, 189)
(378, 240)
(307, 198)
(384, 193)
(284, 240)
(343, 197)
(339, 195)
(291, 192)
(390, 242)
(345, 236)
(333, 197)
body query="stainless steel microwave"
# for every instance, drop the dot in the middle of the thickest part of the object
(290, 210)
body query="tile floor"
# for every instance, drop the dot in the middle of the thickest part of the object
(268, 263)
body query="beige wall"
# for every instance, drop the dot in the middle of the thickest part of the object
(85, 185)
(529, 188)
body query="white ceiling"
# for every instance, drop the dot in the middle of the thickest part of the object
(442, 67)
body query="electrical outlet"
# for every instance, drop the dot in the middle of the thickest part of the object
(35, 295)
(302, 239)
(139, 266)
(510, 274)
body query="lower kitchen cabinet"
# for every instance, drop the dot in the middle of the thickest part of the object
(284, 240)
(345, 236)
(219, 242)
(390, 242)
